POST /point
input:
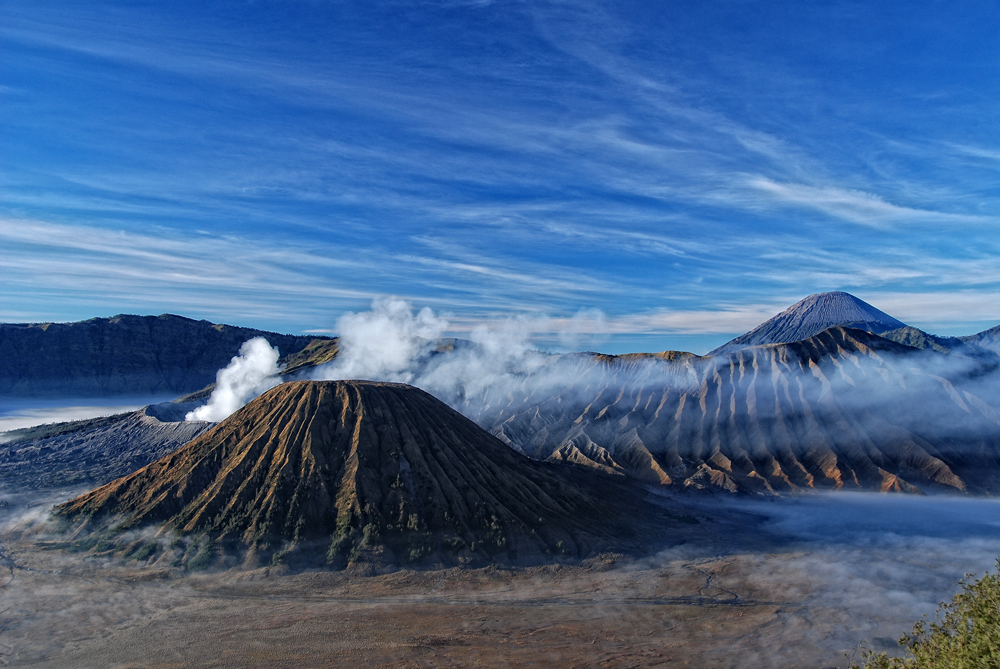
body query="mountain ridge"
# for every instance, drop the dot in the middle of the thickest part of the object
(123, 354)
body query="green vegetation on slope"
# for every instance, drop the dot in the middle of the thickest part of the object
(965, 634)
(318, 352)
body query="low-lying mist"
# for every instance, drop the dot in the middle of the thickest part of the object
(841, 391)
(894, 555)
(19, 413)
(822, 571)
(844, 408)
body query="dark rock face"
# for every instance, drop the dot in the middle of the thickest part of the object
(842, 410)
(345, 467)
(811, 316)
(138, 355)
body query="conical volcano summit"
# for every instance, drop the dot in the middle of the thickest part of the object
(343, 469)
(812, 315)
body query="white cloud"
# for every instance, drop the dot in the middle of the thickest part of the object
(854, 206)
(941, 309)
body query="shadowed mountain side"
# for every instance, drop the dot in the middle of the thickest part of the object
(843, 409)
(93, 451)
(349, 470)
(963, 346)
(123, 355)
(811, 316)
(988, 339)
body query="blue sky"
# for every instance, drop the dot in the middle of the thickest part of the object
(686, 169)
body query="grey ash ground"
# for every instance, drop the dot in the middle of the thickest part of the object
(768, 596)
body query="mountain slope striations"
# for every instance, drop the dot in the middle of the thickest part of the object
(844, 409)
(337, 469)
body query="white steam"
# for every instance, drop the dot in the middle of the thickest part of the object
(381, 344)
(391, 343)
(496, 363)
(249, 374)
(537, 402)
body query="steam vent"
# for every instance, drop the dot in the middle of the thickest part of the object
(352, 471)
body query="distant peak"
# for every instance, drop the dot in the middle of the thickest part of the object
(812, 315)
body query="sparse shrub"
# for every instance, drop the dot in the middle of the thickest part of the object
(420, 546)
(102, 546)
(454, 544)
(202, 558)
(964, 635)
(370, 534)
(340, 548)
(280, 555)
(143, 553)
(420, 552)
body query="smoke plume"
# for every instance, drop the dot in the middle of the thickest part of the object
(382, 344)
(391, 343)
(249, 374)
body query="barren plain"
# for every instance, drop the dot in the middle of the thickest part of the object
(791, 590)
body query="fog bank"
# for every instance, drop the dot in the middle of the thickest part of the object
(18, 413)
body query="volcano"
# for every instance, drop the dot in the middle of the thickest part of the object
(340, 470)
(811, 316)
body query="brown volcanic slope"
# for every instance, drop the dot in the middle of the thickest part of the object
(842, 409)
(347, 469)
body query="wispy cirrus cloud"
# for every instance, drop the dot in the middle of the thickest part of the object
(856, 206)
(264, 276)
(667, 167)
